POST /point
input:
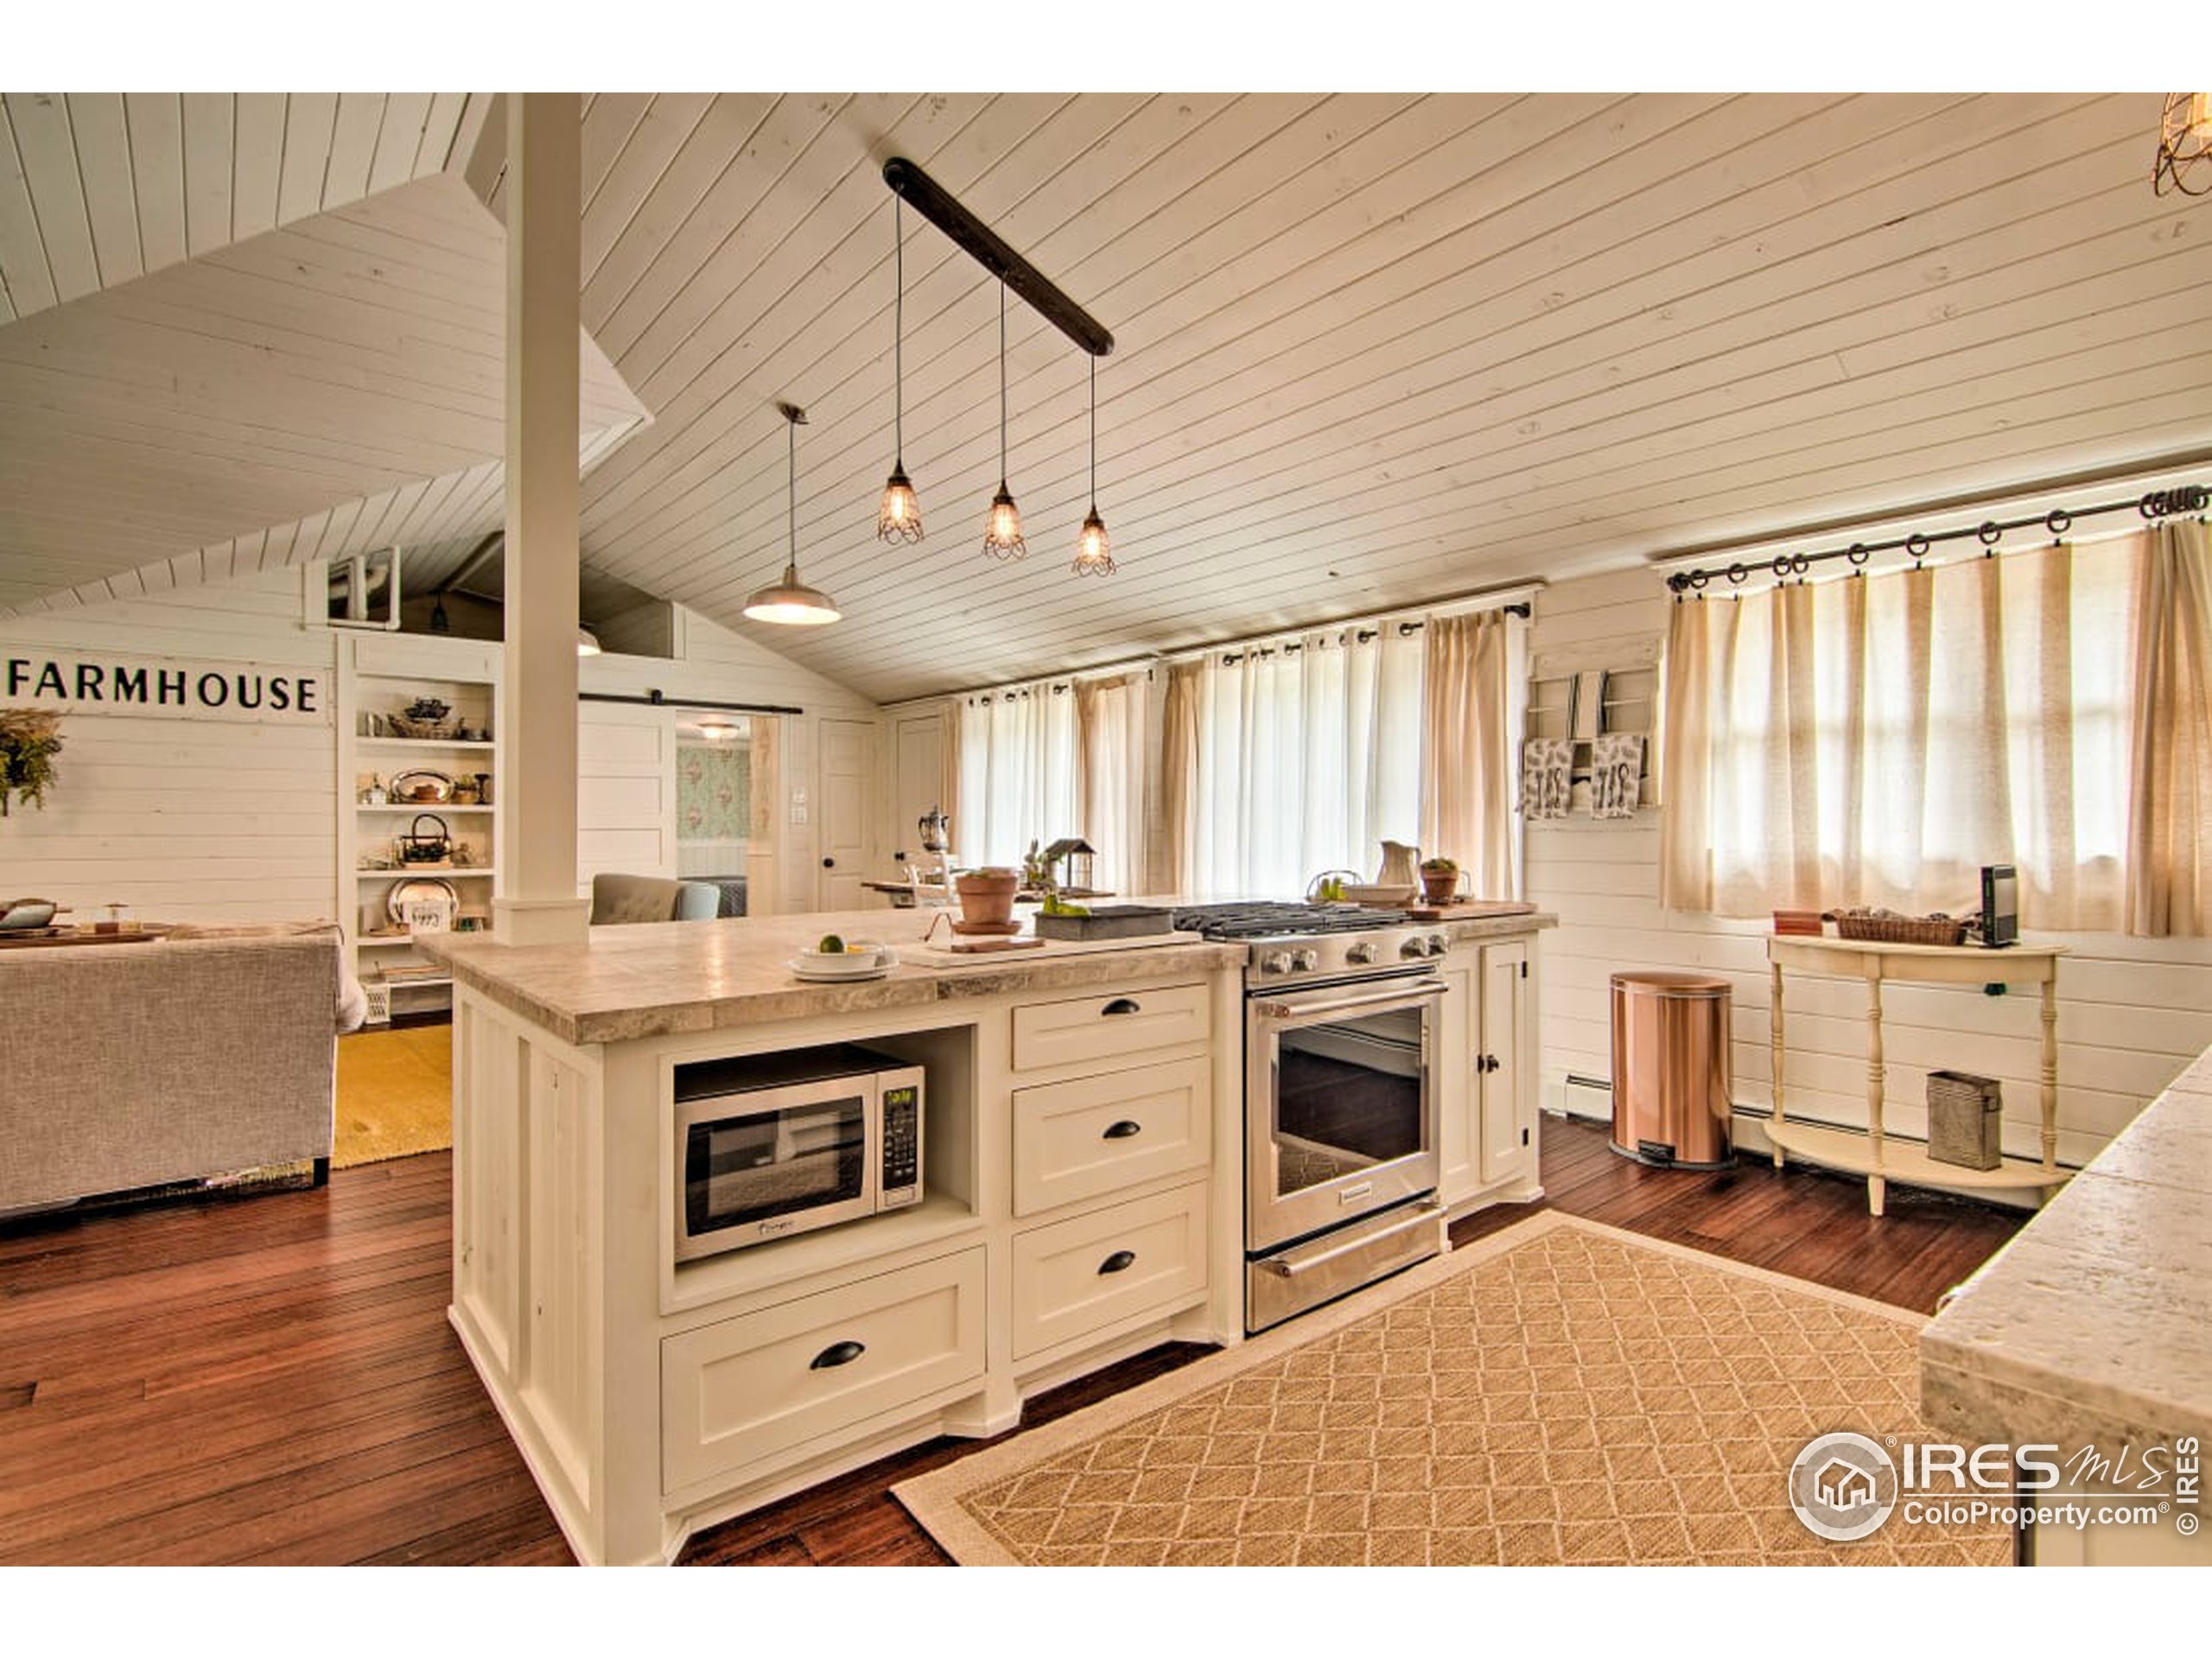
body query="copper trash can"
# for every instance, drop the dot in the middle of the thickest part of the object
(1671, 1073)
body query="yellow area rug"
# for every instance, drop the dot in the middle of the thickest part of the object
(1559, 1392)
(395, 1094)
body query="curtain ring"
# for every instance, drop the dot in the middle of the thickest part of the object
(2058, 521)
(1781, 564)
(1736, 575)
(1857, 553)
(1990, 533)
(1801, 564)
(1698, 579)
(1916, 545)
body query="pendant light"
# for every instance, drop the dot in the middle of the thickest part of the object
(792, 602)
(1094, 554)
(1002, 530)
(899, 518)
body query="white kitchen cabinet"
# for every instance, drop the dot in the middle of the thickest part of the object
(1489, 1105)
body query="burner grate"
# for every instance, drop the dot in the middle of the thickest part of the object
(1259, 919)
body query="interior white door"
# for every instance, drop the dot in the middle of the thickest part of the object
(917, 784)
(1508, 1133)
(845, 795)
(625, 791)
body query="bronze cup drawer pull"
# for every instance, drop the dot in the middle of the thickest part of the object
(837, 1353)
(1122, 1005)
(1121, 1131)
(1120, 1262)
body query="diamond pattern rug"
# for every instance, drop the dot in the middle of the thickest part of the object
(1559, 1392)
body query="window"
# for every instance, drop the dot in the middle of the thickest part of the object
(1017, 773)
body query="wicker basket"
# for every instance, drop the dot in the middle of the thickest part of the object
(1898, 930)
(436, 731)
(1965, 1116)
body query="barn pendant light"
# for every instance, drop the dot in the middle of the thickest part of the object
(1002, 530)
(2184, 160)
(1094, 554)
(792, 602)
(898, 518)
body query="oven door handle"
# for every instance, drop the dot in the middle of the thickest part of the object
(1403, 993)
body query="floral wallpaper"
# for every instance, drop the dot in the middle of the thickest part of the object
(714, 792)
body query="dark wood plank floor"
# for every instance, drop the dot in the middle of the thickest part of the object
(271, 1378)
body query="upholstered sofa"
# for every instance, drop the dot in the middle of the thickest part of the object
(137, 1065)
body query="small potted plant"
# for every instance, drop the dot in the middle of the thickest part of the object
(29, 738)
(987, 895)
(1439, 880)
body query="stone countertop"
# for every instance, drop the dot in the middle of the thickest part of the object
(663, 978)
(2095, 1323)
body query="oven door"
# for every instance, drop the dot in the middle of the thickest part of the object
(760, 1165)
(1340, 1103)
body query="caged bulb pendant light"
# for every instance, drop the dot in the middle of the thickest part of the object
(790, 601)
(899, 516)
(1094, 553)
(1002, 530)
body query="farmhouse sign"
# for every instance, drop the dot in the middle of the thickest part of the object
(92, 682)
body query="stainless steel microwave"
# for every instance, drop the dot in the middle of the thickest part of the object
(770, 1145)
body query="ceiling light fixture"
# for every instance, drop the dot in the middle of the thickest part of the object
(1002, 530)
(790, 601)
(1094, 553)
(720, 731)
(2184, 145)
(898, 518)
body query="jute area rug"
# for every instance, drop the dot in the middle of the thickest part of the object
(395, 1094)
(1559, 1392)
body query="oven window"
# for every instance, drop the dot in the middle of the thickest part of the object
(738, 1170)
(1348, 1095)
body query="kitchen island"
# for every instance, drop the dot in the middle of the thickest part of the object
(1081, 1196)
(2093, 1328)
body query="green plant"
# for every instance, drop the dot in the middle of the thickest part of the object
(29, 738)
(1440, 866)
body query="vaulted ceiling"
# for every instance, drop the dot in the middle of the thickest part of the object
(1369, 350)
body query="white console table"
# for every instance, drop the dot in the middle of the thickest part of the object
(1869, 1154)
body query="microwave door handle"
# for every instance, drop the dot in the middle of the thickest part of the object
(1402, 995)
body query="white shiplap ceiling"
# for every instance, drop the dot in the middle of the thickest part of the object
(1370, 349)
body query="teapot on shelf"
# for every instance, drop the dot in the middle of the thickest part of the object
(1401, 866)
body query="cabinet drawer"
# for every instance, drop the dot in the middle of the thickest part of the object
(1099, 1027)
(1088, 1137)
(746, 1388)
(1084, 1274)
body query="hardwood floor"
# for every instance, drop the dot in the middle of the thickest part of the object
(271, 1378)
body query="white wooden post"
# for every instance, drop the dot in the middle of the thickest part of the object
(538, 903)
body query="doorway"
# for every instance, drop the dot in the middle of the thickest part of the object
(846, 796)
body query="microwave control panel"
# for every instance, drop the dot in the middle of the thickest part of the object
(902, 1146)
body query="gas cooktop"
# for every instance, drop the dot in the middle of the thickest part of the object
(1264, 919)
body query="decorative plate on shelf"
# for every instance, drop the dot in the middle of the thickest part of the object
(420, 788)
(395, 901)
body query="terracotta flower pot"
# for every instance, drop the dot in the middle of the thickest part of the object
(986, 896)
(1439, 886)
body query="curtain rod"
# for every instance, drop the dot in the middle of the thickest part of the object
(654, 699)
(2152, 507)
(1514, 600)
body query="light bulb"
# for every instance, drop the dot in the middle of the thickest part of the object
(1002, 531)
(1094, 552)
(898, 518)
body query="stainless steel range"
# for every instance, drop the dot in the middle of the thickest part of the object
(1341, 1098)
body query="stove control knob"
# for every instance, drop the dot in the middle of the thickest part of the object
(1360, 955)
(1306, 960)
(1437, 946)
(1414, 946)
(1276, 962)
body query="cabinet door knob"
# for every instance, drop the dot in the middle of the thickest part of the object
(1122, 1131)
(1120, 1262)
(828, 864)
(1121, 1005)
(837, 1353)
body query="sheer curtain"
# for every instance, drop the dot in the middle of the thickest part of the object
(1307, 757)
(1110, 751)
(2170, 812)
(1178, 774)
(1874, 741)
(1017, 773)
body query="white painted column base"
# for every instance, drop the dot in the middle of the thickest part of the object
(541, 921)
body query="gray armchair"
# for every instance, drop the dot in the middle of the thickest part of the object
(620, 899)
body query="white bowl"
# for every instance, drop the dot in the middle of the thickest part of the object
(1374, 895)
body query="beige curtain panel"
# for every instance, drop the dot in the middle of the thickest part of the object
(1875, 740)
(1466, 783)
(1178, 774)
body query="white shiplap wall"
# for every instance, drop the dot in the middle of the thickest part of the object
(216, 822)
(200, 821)
(2131, 1012)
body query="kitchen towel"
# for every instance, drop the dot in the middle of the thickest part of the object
(1616, 763)
(1544, 763)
